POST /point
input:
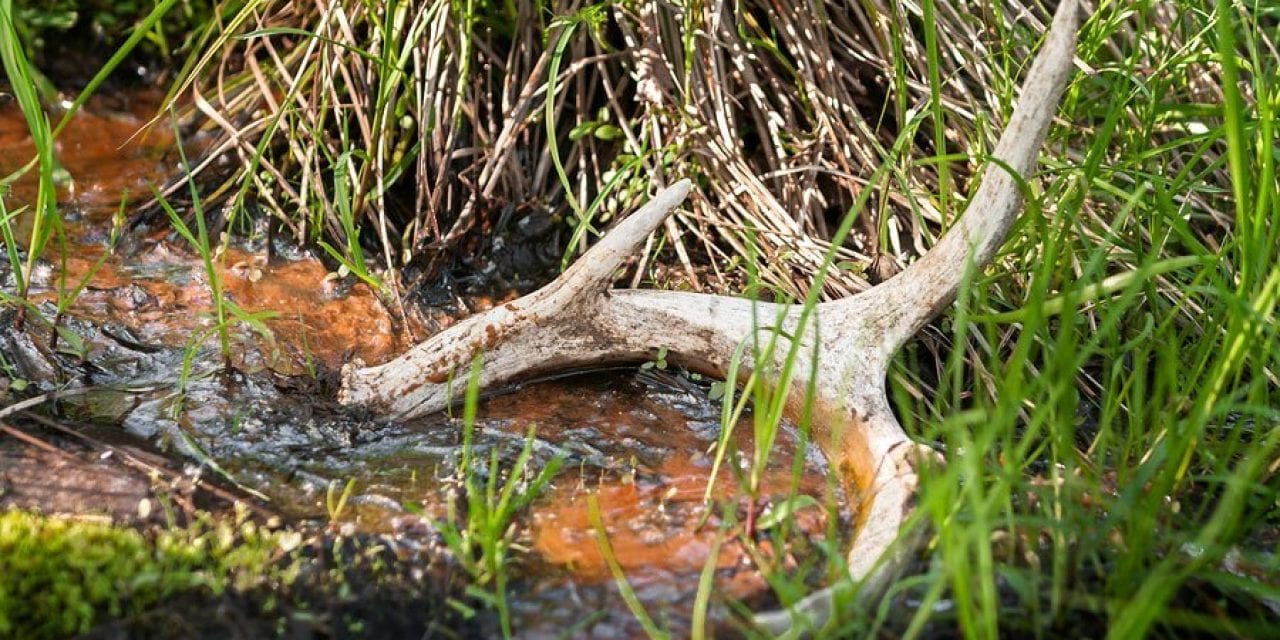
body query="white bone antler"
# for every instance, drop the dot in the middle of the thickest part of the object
(577, 321)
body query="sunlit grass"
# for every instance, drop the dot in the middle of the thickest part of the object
(44, 211)
(1104, 395)
(481, 535)
(634, 605)
(1106, 400)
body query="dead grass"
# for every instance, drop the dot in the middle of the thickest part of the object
(435, 115)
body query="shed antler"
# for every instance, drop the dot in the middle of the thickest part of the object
(577, 320)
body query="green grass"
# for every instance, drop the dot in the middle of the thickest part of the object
(45, 224)
(634, 605)
(44, 211)
(226, 314)
(1106, 398)
(203, 245)
(1105, 394)
(481, 537)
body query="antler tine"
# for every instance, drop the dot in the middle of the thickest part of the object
(573, 321)
(419, 381)
(595, 269)
(911, 299)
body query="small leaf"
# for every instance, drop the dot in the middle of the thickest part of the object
(72, 344)
(608, 132)
(717, 390)
(785, 509)
(583, 130)
(457, 605)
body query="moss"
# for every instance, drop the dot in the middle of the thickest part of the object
(60, 576)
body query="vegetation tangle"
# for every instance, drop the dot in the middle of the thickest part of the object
(1103, 395)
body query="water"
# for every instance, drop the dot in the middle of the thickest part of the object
(639, 439)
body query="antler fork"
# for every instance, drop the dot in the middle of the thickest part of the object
(577, 320)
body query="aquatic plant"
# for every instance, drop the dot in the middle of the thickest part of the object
(481, 537)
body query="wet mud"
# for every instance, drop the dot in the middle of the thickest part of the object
(134, 367)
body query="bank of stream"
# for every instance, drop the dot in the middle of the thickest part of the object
(134, 371)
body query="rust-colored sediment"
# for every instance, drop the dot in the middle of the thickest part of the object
(652, 508)
(161, 292)
(100, 151)
(654, 525)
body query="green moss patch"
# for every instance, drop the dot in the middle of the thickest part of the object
(60, 576)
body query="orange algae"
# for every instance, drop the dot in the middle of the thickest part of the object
(161, 291)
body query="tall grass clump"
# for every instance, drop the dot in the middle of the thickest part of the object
(1106, 395)
(442, 120)
(481, 535)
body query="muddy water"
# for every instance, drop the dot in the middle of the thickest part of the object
(103, 158)
(639, 440)
(153, 285)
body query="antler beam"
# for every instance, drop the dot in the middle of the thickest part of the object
(577, 320)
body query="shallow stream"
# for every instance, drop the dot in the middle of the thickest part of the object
(137, 346)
